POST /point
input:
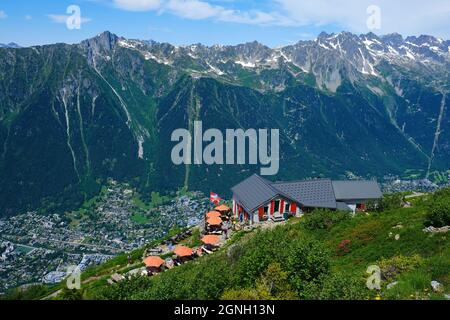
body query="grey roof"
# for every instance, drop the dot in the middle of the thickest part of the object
(355, 189)
(253, 192)
(320, 193)
(311, 193)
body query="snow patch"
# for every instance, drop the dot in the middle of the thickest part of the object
(366, 63)
(245, 64)
(192, 56)
(323, 46)
(409, 53)
(140, 141)
(215, 69)
(392, 50)
(126, 44)
(149, 56)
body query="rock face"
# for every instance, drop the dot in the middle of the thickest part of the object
(73, 115)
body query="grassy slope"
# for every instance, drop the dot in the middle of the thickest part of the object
(246, 256)
(370, 242)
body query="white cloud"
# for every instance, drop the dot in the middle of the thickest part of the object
(200, 9)
(197, 9)
(403, 16)
(138, 5)
(193, 9)
(3, 14)
(28, 17)
(62, 18)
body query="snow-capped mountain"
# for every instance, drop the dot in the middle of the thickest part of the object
(331, 58)
(73, 115)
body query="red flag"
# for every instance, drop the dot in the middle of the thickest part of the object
(214, 197)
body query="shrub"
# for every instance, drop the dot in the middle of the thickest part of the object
(372, 205)
(258, 253)
(389, 202)
(31, 293)
(343, 246)
(438, 214)
(392, 267)
(324, 219)
(442, 193)
(194, 240)
(123, 289)
(273, 284)
(307, 262)
(341, 286)
(70, 294)
(242, 294)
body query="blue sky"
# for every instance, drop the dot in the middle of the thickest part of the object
(272, 22)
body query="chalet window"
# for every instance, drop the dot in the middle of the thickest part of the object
(286, 207)
(266, 209)
(277, 206)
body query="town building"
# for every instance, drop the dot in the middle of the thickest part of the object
(256, 199)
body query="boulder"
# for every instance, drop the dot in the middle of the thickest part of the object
(432, 229)
(391, 285)
(437, 287)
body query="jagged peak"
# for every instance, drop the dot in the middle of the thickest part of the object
(370, 36)
(106, 34)
(252, 44)
(393, 38)
(422, 39)
(324, 35)
(105, 40)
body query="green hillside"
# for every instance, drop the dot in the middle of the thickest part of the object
(323, 255)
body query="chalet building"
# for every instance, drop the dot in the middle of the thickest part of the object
(256, 199)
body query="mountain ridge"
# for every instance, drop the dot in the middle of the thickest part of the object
(10, 45)
(73, 115)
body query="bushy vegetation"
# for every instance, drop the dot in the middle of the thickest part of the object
(70, 294)
(307, 263)
(249, 269)
(438, 214)
(314, 257)
(324, 219)
(339, 286)
(273, 284)
(31, 293)
(396, 265)
(387, 202)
